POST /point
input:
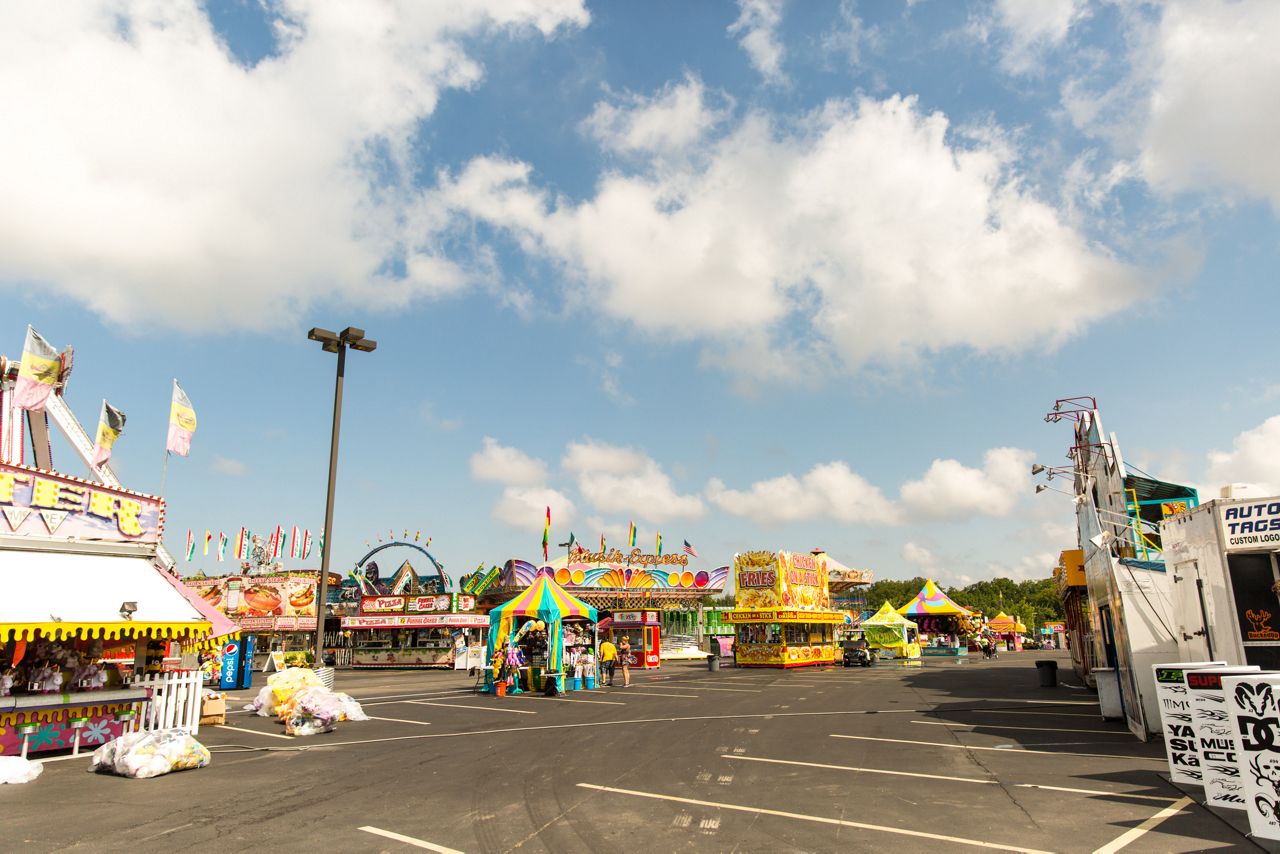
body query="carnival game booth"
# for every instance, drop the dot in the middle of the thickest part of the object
(944, 625)
(537, 635)
(417, 632)
(782, 614)
(891, 633)
(88, 616)
(1007, 630)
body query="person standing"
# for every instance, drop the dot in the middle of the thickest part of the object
(608, 658)
(624, 659)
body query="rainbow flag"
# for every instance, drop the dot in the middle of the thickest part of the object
(182, 422)
(110, 426)
(546, 535)
(631, 536)
(37, 374)
(659, 551)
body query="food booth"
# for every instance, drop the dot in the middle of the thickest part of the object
(782, 614)
(945, 623)
(1007, 630)
(891, 633)
(438, 630)
(276, 606)
(538, 633)
(643, 629)
(87, 613)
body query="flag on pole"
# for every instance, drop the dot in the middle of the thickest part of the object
(631, 537)
(659, 551)
(546, 535)
(305, 551)
(110, 426)
(222, 545)
(208, 538)
(182, 422)
(37, 374)
(321, 547)
(689, 550)
(416, 535)
(602, 542)
(295, 544)
(191, 545)
(242, 550)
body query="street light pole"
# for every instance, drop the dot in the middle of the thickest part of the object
(333, 343)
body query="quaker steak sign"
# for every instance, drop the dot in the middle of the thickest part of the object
(43, 504)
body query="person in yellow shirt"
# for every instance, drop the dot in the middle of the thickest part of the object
(608, 658)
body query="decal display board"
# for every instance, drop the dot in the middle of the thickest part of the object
(1176, 720)
(43, 504)
(1211, 720)
(1252, 704)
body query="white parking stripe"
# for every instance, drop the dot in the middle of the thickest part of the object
(657, 694)
(477, 708)
(255, 732)
(1136, 833)
(1028, 728)
(399, 721)
(1132, 758)
(409, 840)
(573, 699)
(693, 686)
(920, 834)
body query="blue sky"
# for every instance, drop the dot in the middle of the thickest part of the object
(755, 274)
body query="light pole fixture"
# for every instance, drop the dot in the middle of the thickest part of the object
(331, 342)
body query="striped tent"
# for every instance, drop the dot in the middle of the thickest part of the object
(932, 602)
(543, 600)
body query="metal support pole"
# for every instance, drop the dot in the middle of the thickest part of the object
(321, 606)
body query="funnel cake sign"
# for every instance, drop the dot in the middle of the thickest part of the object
(38, 503)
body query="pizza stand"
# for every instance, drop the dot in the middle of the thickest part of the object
(88, 615)
(889, 631)
(517, 641)
(411, 632)
(937, 615)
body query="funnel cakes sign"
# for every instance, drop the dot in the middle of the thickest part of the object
(39, 503)
(782, 580)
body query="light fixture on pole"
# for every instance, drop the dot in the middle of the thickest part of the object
(331, 342)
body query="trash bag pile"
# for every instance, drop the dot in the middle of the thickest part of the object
(15, 769)
(297, 697)
(149, 754)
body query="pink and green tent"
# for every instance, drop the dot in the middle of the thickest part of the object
(543, 600)
(932, 602)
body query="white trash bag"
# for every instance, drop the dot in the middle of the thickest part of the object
(150, 754)
(15, 769)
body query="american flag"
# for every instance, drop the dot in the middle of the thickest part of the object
(689, 550)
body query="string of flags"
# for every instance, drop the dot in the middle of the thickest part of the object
(573, 541)
(295, 543)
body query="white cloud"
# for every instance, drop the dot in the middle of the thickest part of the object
(1254, 458)
(918, 555)
(758, 22)
(830, 490)
(848, 37)
(525, 507)
(622, 480)
(950, 489)
(1032, 27)
(507, 465)
(228, 466)
(156, 179)
(676, 117)
(868, 230)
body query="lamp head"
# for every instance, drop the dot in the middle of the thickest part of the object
(127, 609)
(1036, 468)
(324, 336)
(1040, 487)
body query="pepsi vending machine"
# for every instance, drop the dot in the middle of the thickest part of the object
(237, 664)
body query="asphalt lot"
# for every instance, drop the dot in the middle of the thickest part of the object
(945, 757)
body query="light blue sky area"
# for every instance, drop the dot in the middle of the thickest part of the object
(864, 246)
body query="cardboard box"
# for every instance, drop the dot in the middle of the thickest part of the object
(213, 711)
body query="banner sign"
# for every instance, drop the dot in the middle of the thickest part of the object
(43, 504)
(1176, 718)
(1214, 742)
(480, 582)
(1250, 525)
(283, 602)
(381, 604)
(782, 580)
(1255, 716)
(408, 621)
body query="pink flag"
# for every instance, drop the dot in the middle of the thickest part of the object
(38, 373)
(182, 422)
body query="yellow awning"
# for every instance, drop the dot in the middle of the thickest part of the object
(110, 631)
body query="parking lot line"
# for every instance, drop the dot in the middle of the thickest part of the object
(400, 721)
(409, 840)
(1161, 760)
(423, 693)
(693, 686)
(256, 732)
(1138, 832)
(657, 694)
(901, 831)
(567, 699)
(1028, 728)
(477, 708)
(977, 780)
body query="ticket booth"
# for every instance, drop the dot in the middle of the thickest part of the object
(644, 628)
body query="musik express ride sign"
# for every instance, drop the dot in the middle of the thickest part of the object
(39, 503)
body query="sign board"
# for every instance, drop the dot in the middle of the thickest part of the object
(280, 602)
(1250, 524)
(36, 503)
(1176, 718)
(1210, 719)
(408, 621)
(784, 580)
(381, 604)
(275, 661)
(1255, 717)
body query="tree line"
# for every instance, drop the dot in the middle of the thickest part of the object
(1033, 602)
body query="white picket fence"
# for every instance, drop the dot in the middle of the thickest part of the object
(175, 700)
